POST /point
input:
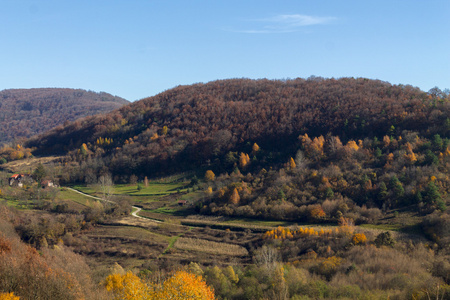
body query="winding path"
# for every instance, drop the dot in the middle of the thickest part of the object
(135, 213)
(135, 209)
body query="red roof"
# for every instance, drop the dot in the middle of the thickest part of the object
(15, 176)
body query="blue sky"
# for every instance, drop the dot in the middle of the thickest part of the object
(135, 49)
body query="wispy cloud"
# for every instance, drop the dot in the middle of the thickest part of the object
(285, 23)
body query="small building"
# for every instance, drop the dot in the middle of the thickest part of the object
(19, 179)
(13, 179)
(47, 183)
(182, 202)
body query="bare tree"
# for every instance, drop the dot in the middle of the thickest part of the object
(267, 257)
(106, 186)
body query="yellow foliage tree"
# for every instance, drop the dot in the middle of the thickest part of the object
(292, 164)
(244, 159)
(16, 155)
(410, 156)
(127, 286)
(164, 130)
(83, 150)
(313, 148)
(8, 296)
(210, 176)
(255, 148)
(230, 274)
(183, 285)
(103, 141)
(329, 266)
(352, 145)
(180, 286)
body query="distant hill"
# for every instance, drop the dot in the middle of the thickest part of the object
(26, 112)
(200, 124)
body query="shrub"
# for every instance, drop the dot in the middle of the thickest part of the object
(384, 239)
(359, 239)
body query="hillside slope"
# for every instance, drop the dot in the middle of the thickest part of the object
(26, 112)
(198, 124)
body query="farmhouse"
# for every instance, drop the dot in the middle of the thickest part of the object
(47, 183)
(19, 179)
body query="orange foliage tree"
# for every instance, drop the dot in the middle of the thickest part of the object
(359, 238)
(235, 197)
(316, 212)
(244, 160)
(292, 164)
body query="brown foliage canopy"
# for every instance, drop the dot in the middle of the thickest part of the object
(203, 122)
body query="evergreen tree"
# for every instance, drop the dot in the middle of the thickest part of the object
(432, 197)
(39, 173)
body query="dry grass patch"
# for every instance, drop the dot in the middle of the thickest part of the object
(133, 221)
(156, 216)
(19, 166)
(128, 232)
(193, 244)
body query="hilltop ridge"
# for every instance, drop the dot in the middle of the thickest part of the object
(191, 125)
(26, 112)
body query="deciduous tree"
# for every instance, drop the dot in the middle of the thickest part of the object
(209, 175)
(106, 186)
(255, 148)
(235, 198)
(8, 296)
(182, 286)
(244, 159)
(292, 164)
(128, 287)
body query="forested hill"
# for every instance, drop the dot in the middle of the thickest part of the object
(202, 123)
(26, 112)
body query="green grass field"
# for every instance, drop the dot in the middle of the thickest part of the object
(153, 192)
(88, 189)
(391, 227)
(65, 194)
(153, 189)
